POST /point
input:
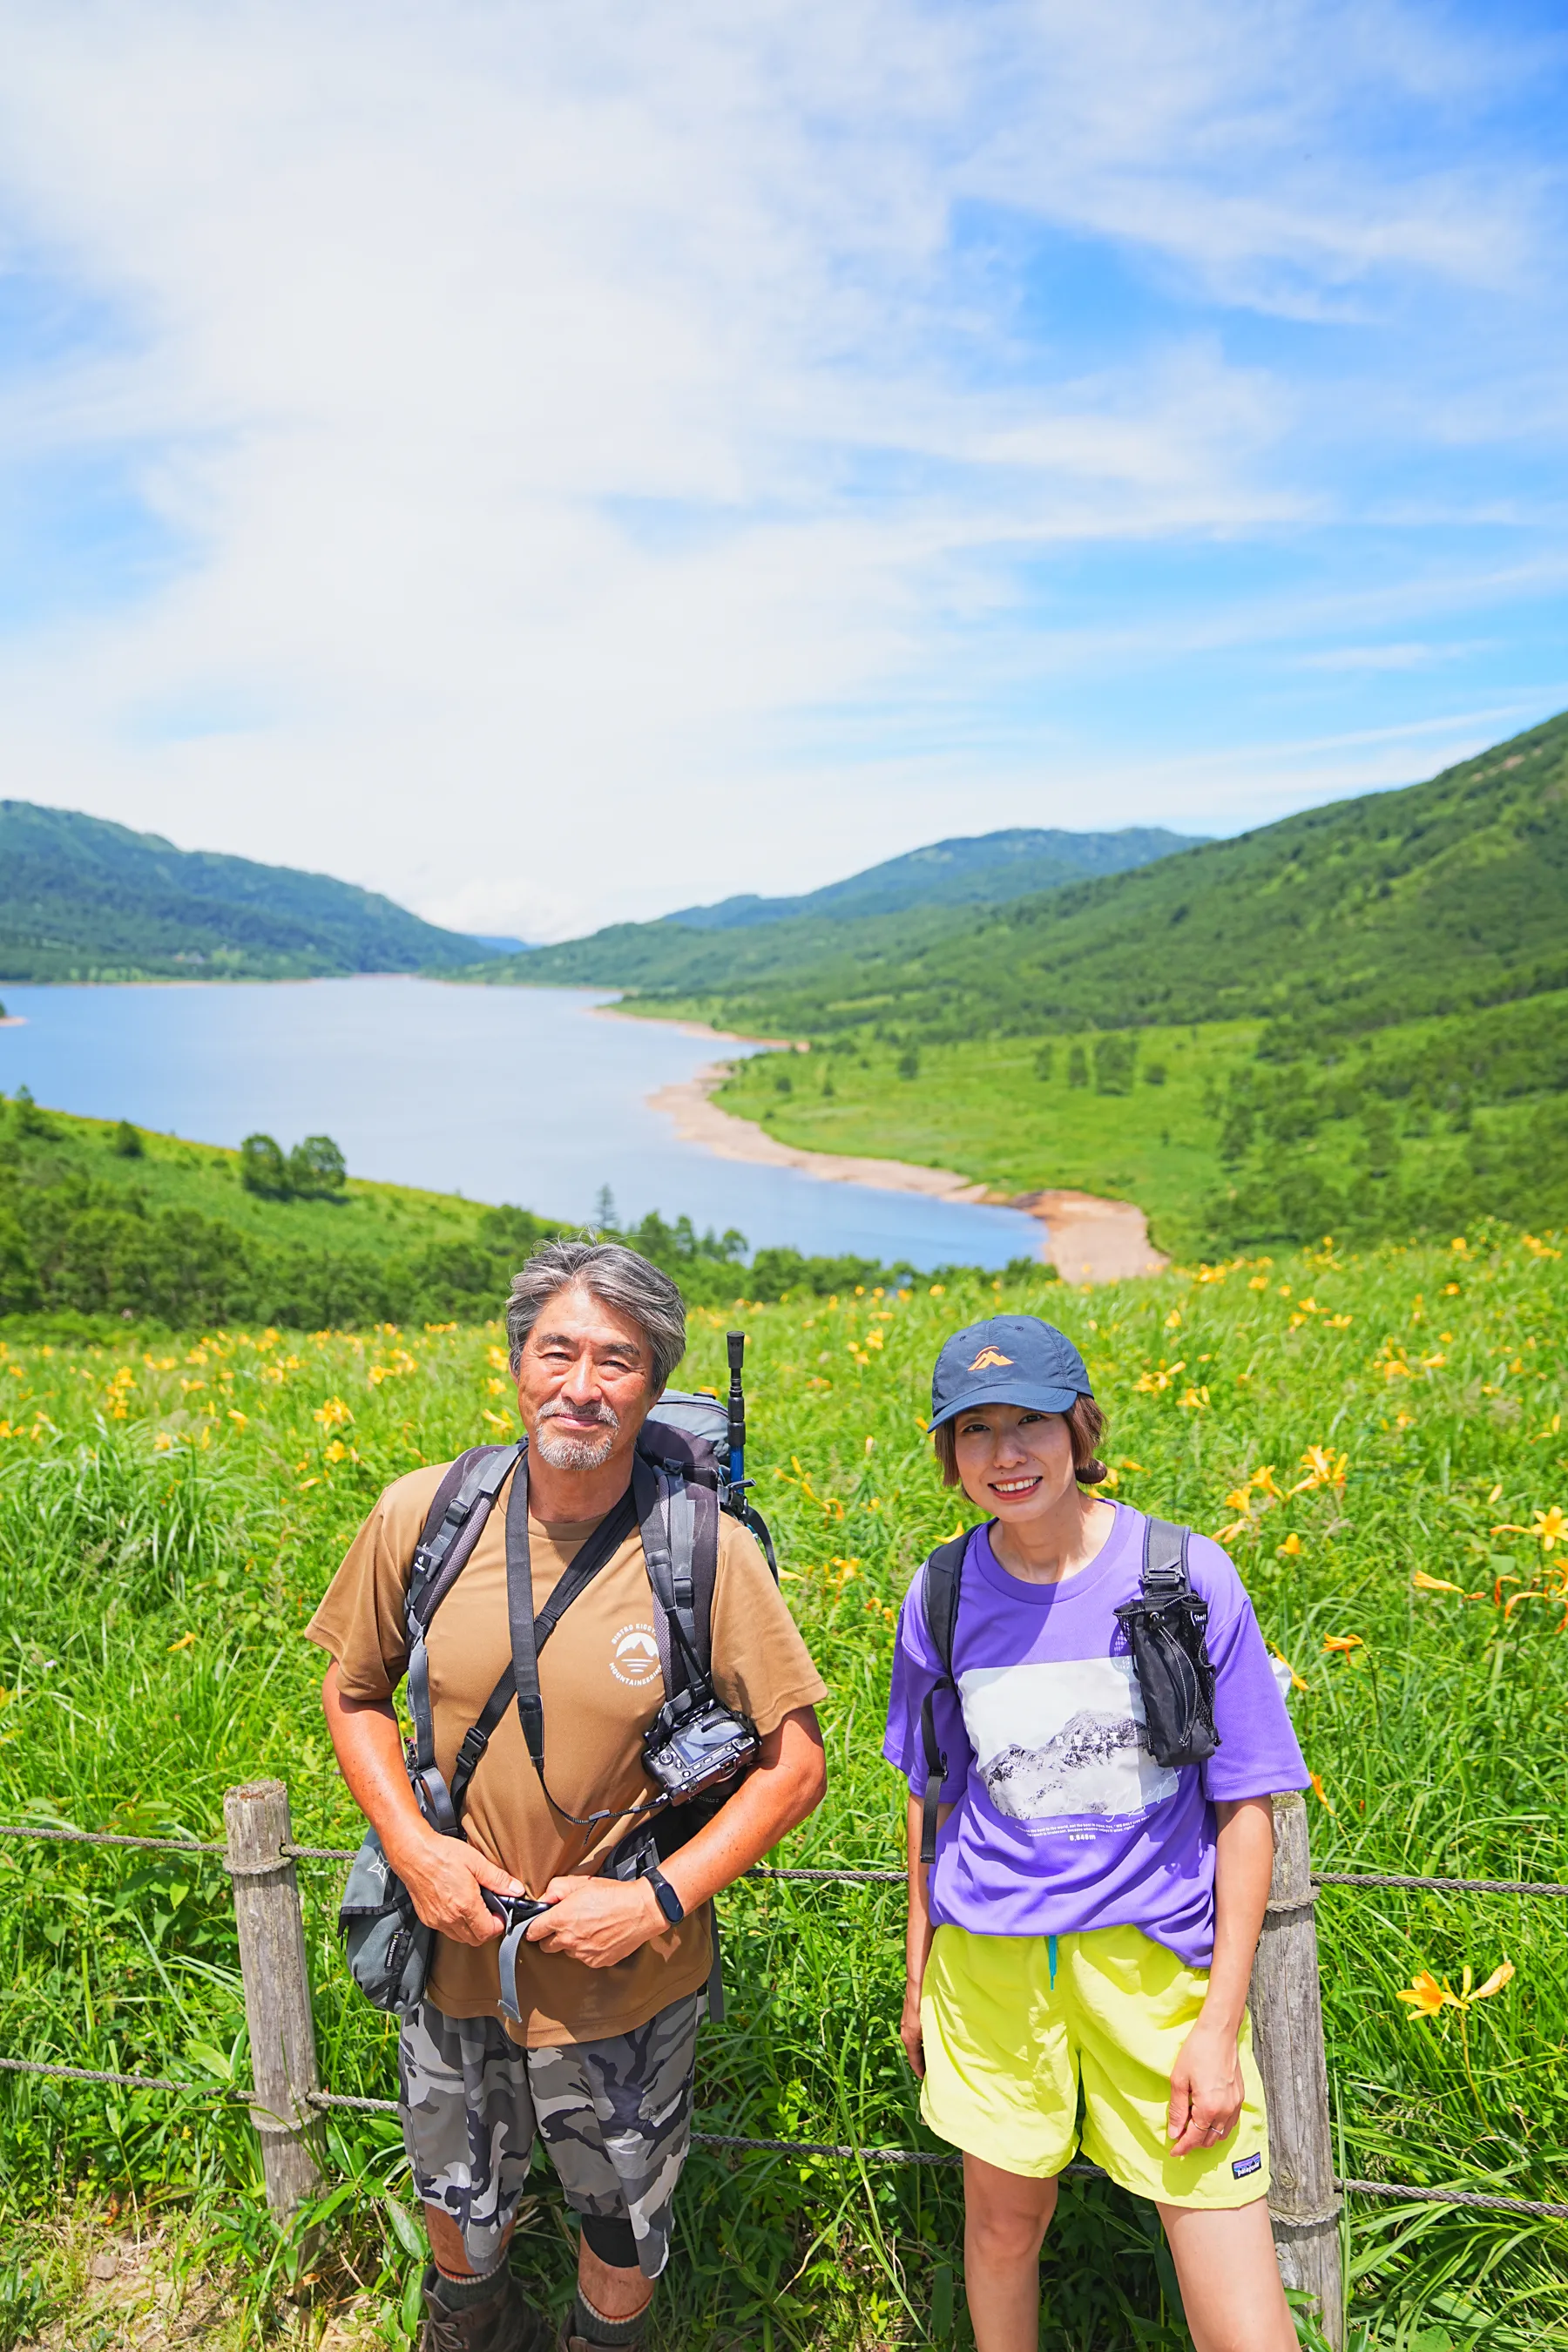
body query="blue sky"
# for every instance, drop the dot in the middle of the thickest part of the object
(555, 463)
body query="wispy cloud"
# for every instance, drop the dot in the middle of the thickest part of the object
(549, 441)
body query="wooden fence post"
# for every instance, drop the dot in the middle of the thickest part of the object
(1287, 2029)
(277, 1991)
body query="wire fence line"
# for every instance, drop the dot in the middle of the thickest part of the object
(287, 1851)
(1396, 2191)
(290, 1852)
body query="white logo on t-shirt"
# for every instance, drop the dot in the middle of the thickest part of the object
(1062, 1736)
(634, 1654)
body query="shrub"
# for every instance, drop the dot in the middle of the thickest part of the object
(317, 1168)
(263, 1169)
(126, 1141)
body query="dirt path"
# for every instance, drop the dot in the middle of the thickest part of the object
(1087, 1239)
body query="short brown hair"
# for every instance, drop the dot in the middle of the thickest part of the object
(1086, 1427)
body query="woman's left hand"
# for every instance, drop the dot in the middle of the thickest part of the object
(1206, 2091)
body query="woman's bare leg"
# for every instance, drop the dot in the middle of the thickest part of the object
(1229, 2278)
(1004, 2220)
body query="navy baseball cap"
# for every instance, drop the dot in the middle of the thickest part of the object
(1007, 1360)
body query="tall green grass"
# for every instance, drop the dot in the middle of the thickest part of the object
(170, 1513)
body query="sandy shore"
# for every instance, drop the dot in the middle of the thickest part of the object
(698, 1120)
(1092, 1240)
(1087, 1239)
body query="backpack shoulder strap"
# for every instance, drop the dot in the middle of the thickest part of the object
(458, 1510)
(939, 1584)
(679, 1523)
(458, 1513)
(1164, 1574)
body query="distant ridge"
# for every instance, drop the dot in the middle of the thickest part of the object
(905, 903)
(970, 870)
(1428, 900)
(81, 898)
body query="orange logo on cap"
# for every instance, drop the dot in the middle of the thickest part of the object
(986, 1357)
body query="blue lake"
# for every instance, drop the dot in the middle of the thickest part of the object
(526, 1095)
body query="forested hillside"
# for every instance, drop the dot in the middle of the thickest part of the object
(103, 1223)
(1354, 1022)
(1445, 896)
(888, 911)
(83, 899)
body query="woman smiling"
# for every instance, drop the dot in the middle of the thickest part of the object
(1095, 1788)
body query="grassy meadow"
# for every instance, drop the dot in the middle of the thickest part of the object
(1379, 1436)
(1227, 1133)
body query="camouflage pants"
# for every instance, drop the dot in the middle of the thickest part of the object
(615, 2116)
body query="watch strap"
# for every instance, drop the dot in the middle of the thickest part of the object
(664, 1895)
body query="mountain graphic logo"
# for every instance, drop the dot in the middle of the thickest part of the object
(634, 1654)
(986, 1357)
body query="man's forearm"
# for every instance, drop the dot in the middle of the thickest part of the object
(1244, 1864)
(772, 1801)
(369, 1749)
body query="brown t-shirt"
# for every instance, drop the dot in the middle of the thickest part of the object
(602, 1686)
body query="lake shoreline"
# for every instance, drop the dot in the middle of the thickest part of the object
(1086, 1238)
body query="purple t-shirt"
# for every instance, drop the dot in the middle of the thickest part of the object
(1062, 1820)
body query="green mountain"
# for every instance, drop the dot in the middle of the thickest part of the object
(1440, 898)
(978, 870)
(84, 899)
(910, 900)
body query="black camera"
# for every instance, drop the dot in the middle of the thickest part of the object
(693, 1743)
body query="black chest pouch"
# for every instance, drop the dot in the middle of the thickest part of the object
(1166, 1632)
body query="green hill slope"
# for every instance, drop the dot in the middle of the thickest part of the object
(83, 899)
(889, 911)
(103, 1223)
(1444, 896)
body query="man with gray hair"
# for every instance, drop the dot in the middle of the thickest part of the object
(595, 2049)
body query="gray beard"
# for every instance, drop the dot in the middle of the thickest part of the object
(576, 1452)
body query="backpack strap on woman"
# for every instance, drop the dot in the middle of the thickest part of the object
(940, 1586)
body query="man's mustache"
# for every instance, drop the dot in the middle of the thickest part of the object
(605, 1414)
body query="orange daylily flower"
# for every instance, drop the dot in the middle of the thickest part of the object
(1426, 1995)
(1344, 1641)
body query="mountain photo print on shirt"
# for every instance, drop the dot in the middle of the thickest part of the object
(1064, 1737)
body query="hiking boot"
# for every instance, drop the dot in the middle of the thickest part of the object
(567, 2342)
(505, 2322)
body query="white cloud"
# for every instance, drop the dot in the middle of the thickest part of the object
(557, 413)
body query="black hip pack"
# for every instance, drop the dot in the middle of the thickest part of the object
(678, 1487)
(1164, 1629)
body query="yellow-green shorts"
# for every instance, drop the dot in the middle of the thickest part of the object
(1007, 2053)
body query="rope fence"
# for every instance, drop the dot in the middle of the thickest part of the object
(1402, 2191)
(286, 2102)
(290, 1852)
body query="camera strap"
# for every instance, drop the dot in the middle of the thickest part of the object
(530, 1631)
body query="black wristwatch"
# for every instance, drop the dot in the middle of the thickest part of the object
(664, 1895)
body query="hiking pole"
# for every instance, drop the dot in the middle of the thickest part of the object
(736, 1343)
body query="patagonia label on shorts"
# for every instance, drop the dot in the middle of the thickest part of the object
(1244, 2165)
